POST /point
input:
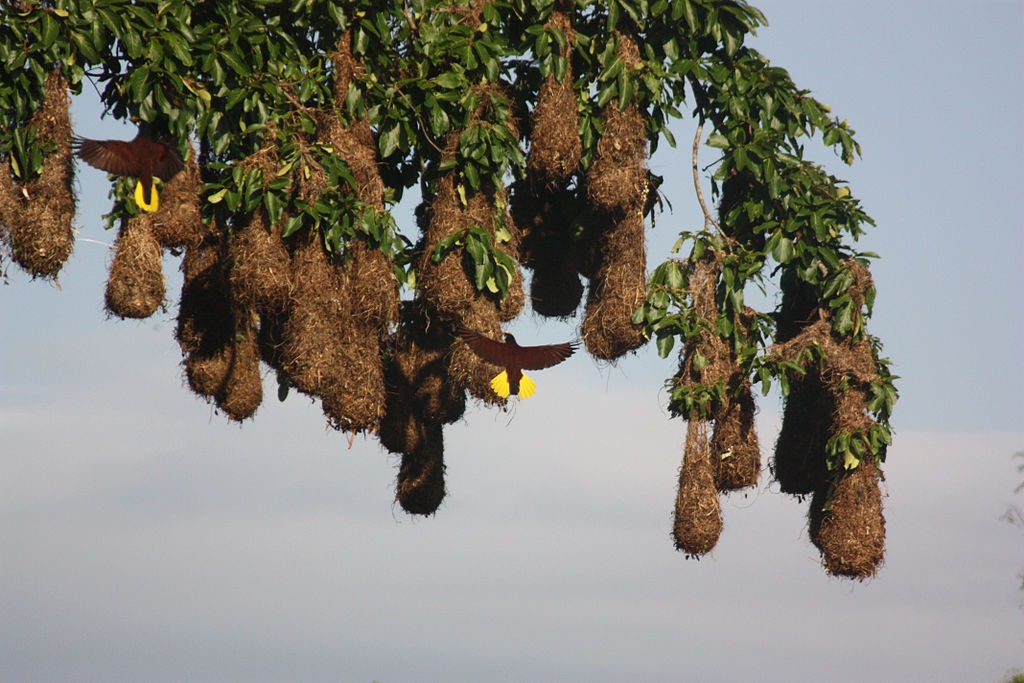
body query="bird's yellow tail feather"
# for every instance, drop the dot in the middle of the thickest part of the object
(527, 387)
(500, 384)
(149, 207)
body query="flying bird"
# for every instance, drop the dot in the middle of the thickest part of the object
(514, 359)
(143, 158)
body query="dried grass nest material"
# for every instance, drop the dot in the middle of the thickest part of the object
(420, 486)
(617, 289)
(179, 222)
(326, 349)
(135, 287)
(847, 524)
(259, 266)
(35, 217)
(555, 144)
(698, 516)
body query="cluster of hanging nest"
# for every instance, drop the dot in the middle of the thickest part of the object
(845, 516)
(730, 459)
(830, 398)
(612, 191)
(328, 319)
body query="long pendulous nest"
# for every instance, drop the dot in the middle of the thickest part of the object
(35, 217)
(241, 391)
(830, 398)
(326, 349)
(420, 486)
(618, 287)
(541, 202)
(135, 287)
(206, 320)
(179, 221)
(259, 266)
(698, 515)
(734, 446)
(555, 144)
(416, 375)
(847, 524)
(548, 249)
(447, 286)
(616, 186)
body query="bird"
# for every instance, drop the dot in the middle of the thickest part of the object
(143, 158)
(514, 359)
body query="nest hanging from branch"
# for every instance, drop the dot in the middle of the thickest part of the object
(616, 186)
(35, 217)
(135, 287)
(698, 515)
(179, 222)
(847, 525)
(206, 323)
(259, 266)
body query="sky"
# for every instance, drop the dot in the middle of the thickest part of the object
(144, 537)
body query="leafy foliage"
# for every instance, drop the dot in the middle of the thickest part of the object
(450, 86)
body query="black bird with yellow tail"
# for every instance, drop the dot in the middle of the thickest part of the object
(512, 381)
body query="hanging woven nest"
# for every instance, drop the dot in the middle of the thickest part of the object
(135, 287)
(698, 515)
(420, 487)
(847, 525)
(179, 222)
(35, 217)
(259, 266)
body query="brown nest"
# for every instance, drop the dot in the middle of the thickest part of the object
(847, 524)
(353, 140)
(829, 399)
(326, 350)
(242, 389)
(555, 144)
(447, 286)
(179, 221)
(371, 287)
(617, 182)
(735, 450)
(547, 248)
(260, 266)
(799, 464)
(420, 485)
(698, 515)
(416, 373)
(35, 217)
(206, 321)
(135, 288)
(617, 289)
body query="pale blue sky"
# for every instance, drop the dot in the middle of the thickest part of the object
(142, 537)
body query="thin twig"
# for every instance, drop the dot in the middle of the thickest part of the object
(708, 218)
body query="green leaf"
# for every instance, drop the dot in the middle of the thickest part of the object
(665, 345)
(718, 141)
(389, 140)
(784, 250)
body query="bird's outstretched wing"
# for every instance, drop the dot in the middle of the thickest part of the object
(134, 158)
(112, 156)
(514, 356)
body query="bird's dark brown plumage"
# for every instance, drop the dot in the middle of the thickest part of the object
(515, 358)
(142, 158)
(509, 354)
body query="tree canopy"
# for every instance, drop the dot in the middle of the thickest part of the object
(524, 127)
